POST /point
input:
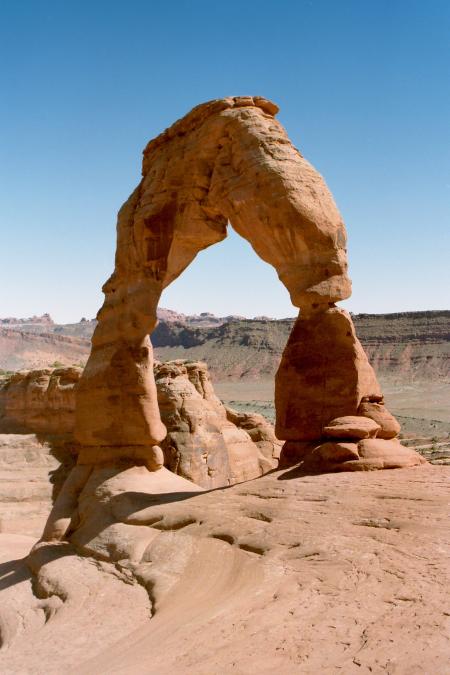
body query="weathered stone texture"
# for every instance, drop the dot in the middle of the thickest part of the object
(324, 374)
(39, 401)
(389, 427)
(206, 442)
(203, 444)
(227, 160)
(352, 426)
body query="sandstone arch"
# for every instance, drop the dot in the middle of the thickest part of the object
(227, 160)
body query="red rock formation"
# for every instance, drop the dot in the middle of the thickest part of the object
(389, 427)
(206, 443)
(39, 401)
(324, 373)
(227, 160)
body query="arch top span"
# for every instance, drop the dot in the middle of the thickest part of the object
(231, 160)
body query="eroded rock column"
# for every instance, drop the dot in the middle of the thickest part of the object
(330, 408)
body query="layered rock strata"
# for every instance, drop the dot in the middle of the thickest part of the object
(207, 443)
(39, 401)
(352, 443)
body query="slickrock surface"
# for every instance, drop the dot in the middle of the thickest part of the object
(315, 574)
(32, 471)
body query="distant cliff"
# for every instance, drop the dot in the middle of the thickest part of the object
(20, 349)
(405, 346)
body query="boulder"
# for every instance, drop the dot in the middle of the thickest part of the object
(351, 426)
(367, 454)
(334, 453)
(389, 427)
(377, 453)
(260, 431)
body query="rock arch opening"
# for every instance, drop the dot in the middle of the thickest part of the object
(229, 279)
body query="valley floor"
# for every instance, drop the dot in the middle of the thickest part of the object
(423, 408)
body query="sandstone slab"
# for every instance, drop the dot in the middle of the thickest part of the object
(351, 426)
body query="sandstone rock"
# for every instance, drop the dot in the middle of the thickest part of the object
(293, 452)
(32, 471)
(260, 431)
(377, 453)
(95, 503)
(389, 427)
(337, 452)
(324, 373)
(366, 455)
(39, 401)
(202, 443)
(351, 426)
(227, 160)
(229, 552)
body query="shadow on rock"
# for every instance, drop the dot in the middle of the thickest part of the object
(13, 572)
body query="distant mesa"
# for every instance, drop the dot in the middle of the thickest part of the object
(44, 320)
(205, 319)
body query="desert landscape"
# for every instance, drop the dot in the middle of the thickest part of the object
(200, 494)
(410, 352)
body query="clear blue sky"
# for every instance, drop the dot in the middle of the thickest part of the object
(364, 92)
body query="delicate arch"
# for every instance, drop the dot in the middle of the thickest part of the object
(227, 160)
